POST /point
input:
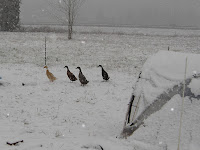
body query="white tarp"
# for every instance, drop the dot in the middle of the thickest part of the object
(161, 78)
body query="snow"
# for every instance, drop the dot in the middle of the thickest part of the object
(64, 115)
(166, 69)
(161, 72)
(194, 85)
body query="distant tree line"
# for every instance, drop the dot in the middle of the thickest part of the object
(9, 15)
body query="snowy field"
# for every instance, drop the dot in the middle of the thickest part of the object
(66, 116)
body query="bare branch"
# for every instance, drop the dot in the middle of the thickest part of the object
(67, 8)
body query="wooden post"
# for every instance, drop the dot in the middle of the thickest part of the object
(45, 55)
(182, 106)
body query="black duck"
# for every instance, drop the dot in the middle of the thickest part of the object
(82, 78)
(70, 74)
(104, 74)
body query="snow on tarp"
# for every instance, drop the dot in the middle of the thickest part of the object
(161, 78)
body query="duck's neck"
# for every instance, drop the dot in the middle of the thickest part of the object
(80, 70)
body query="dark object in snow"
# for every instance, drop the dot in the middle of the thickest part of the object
(0, 77)
(23, 84)
(1, 83)
(196, 75)
(139, 76)
(98, 147)
(70, 74)
(82, 78)
(104, 74)
(49, 74)
(158, 103)
(15, 143)
(129, 109)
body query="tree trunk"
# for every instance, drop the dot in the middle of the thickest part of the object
(69, 32)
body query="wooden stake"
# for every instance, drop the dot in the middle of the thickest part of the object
(45, 55)
(182, 106)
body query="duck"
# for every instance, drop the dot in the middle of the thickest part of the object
(50, 75)
(82, 78)
(104, 74)
(70, 74)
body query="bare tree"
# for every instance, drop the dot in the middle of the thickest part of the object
(65, 11)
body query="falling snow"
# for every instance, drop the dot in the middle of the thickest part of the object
(64, 115)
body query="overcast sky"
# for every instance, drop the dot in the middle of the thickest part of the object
(181, 12)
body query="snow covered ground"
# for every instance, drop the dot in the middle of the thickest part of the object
(66, 116)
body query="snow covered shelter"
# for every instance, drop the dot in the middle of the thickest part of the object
(160, 80)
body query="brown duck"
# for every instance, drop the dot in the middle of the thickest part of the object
(50, 75)
(82, 78)
(70, 74)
